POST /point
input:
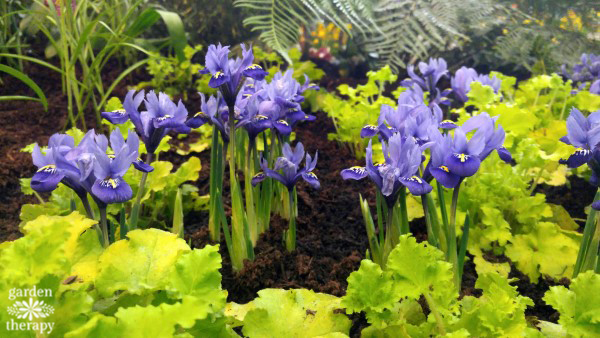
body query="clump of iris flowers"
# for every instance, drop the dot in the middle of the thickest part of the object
(161, 115)
(410, 134)
(246, 107)
(287, 171)
(91, 168)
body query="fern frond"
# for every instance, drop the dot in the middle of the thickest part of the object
(279, 21)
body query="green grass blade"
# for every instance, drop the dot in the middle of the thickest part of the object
(176, 32)
(178, 215)
(28, 81)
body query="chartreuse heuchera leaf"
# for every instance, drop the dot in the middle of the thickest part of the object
(499, 312)
(579, 306)
(415, 270)
(547, 250)
(294, 313)
(151, 284)
(141, 263)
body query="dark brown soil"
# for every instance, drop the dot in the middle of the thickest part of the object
(574, 196)
(331, 235)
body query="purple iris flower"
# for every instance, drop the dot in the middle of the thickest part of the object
(289, 165)
(161, 116)
(230, 72)
(87, 168)
(108, 170)
(214, 112)
(403, 157)
(48, 176)
(584, 134)
(586, 71)
(461, 82)
(253, 120)
(411, 118)
(458, 156)
(280, 102)
(431, 73)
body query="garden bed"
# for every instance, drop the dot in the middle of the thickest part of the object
(331, 235)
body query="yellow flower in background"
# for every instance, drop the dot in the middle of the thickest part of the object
(564, 19)
(315, 41)
(527, 21)
(349, 26)
(504, 31)
(571, 13)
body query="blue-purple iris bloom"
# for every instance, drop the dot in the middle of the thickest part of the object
(431, 73)
(586, 71)
(230, 73)
(403, 157)
(214, 112)
(461, 82)
(161, 116)
(454, 158)
(289, 165)
(87, 168)
(279, 102)
(411, 118)
(584, 134)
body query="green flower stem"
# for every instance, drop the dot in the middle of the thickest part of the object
(431, 235)
(391, 234)
(440, 233)
(404, 229)
(586, 240)
(216, 184)
(438, 318)
(87, 206)
(442, 200)
(380, 217)
(592, 250)
(249, 191)
(104, 226)
(290, 234)
(135, 211)
(463, 246)
(452, 253)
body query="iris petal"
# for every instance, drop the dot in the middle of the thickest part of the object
(578, 158)
(448, 124)
(198, 120)
(218, 79)
(46, 179)
(504, 154)
(118, 116)
(445, 177)
(596, 205)
(416, 185)
(282, 127)
(369, 131)
(142, 166)
(463, 165)
(354, 173)
(112, 190)
(311, 179)
(255, 72)
(258, 178)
